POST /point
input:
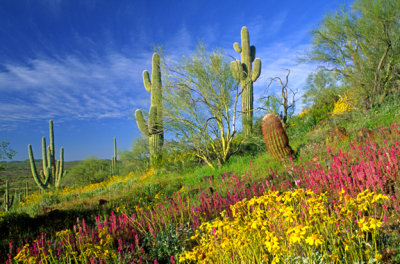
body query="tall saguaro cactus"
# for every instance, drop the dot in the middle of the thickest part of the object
(246, 73)
(114, 159)
(53, 170)
(154, 129)
(8, 200)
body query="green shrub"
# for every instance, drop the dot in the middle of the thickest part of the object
(172, 241)
(91, 170)
(136, 159)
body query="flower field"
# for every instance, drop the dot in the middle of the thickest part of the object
(329, 206)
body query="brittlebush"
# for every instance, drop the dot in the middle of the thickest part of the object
(293, 227)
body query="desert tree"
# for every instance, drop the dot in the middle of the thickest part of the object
(361, 43)
(321, 91)
(200, 101)
(282, 104)
(6, 152)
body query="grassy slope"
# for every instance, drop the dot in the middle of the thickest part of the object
(48, 210)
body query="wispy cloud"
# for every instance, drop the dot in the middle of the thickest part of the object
(264, 27)
(72, 88)
(181, 42)
(110, 86)
(276, 59)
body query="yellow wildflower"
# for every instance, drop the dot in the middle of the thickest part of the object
(363, 225)
(314, 239)
(373, 223)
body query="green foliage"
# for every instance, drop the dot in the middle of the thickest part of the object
(178, 155)
(298, 128)
(200, 104)
(169, 242)
(244, 72)
(90, 170)
(250, 145)
(362, 45)
(272, 104)
(53, 170)
(380, 115)
(154, 129)
(6, 152)
(136, 159)
(321, 93)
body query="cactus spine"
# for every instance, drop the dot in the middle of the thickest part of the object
(8, 201)
(275, 137)
(114, 159)
(243, 72)
(53, 170)
(154, 128)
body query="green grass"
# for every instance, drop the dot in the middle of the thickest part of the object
(302, 139)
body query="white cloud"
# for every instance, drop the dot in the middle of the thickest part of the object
(72, 88)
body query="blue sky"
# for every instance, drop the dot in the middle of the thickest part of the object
(80, 62)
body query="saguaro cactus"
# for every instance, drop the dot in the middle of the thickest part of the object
(26, 192)
(154, 129)
(243, 72)
(114, 159)
(275, 137)
(53, 170)
(8, 201)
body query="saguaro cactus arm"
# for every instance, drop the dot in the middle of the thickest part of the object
(146, 81)
(237, 70)
(60, 173)
(236, 47)
(35, 174)
(52, 157)
(142, 125)
(256, 70)
(45, 173)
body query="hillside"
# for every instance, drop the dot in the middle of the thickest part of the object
(169, 205)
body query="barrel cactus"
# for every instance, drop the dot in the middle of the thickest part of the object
(53, 170)
(246, 73)
(154, 128)
(275, 137)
